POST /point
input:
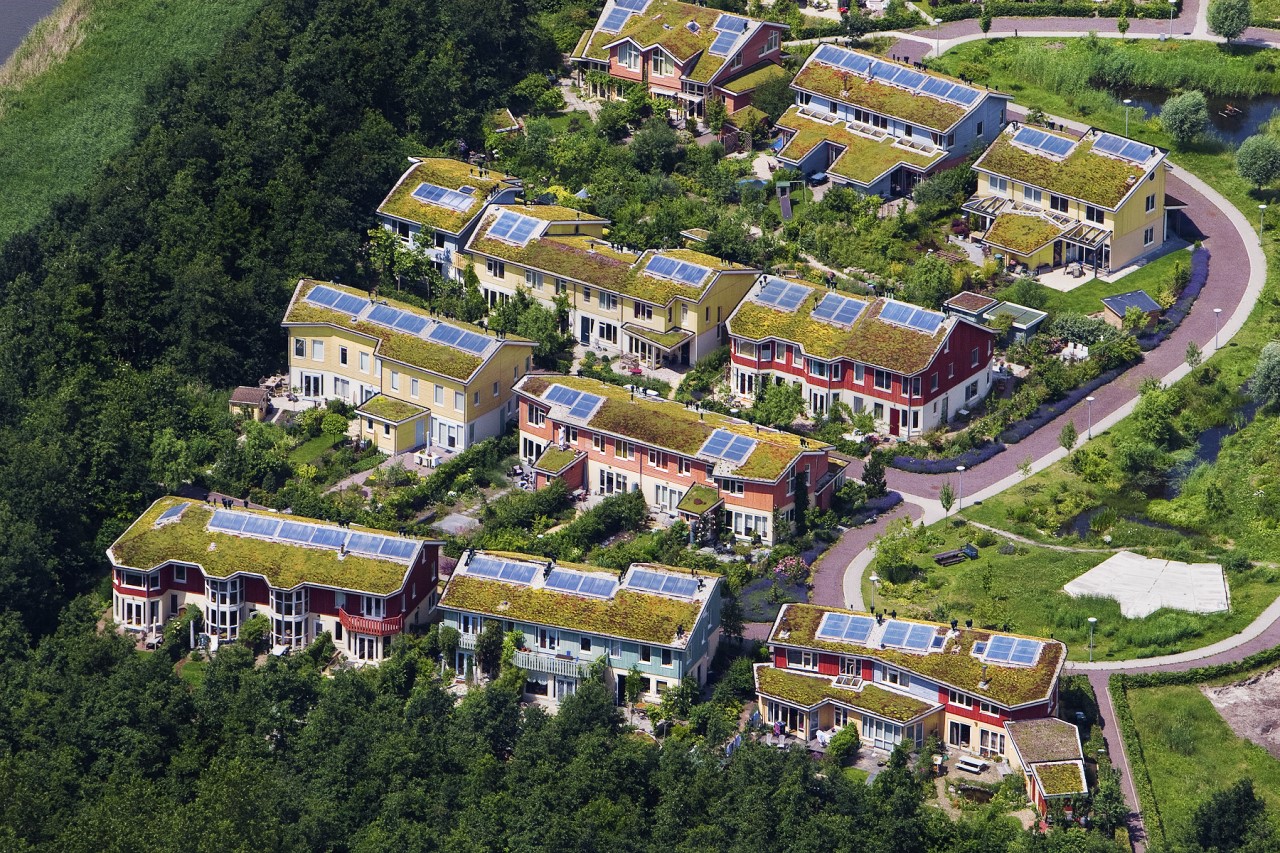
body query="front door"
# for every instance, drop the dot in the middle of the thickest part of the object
(944, 410)
(893, 421)
(584, 334)
(420, 432)
(1057, 253)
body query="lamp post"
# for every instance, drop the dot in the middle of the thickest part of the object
(1217, 326)
(1093, 620)
(1262, 209)
(1127, 103)
(1089, 408)
(960, 497)
(1172, 4)
(937, 34)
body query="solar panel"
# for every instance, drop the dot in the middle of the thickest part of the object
(731, 23)
(443, 197)
(583, 584)
(739, 449)
(1000, 648)
(645, 580)
(772, 291)
(585, 406)
(935, 86)
(364, 543)
(676, 270)
(517, 572)
(1025, 652)
(601, 587)
(384, 315)
(172, 512)
(411, 323)
(723, 45)
(501, 227)
(523, 230)
(259, 525)
(793, 296)
(679, 585)
(226, 520)
(472, 343)
(325, 296)
(895, 633)
(717, 443)
(295, 532)
(1109, 143)
(1137, 152)
(920, 636)
(397, 548)
(909, 78)
(327, 537)
(485, 567)
(564, 581)
(896, 312)
(561, 395)
(849, 311)
(835, 308)
(1041, 141)
(632, 5)
(832, 626)
(348, 304)
(925, 320)
(963, 95)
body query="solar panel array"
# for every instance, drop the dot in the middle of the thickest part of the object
(441, 333)
(337, 300)
(908, 635)
(633, 5)
(580, 583)
(902, 314)
(1118, 146)
(1048, 143)
(845, 629)
(452, 336)
(498, 569)
(514, 227)
(898, 75)
(731, 23)
(172, 513)
(1002, 649)
(615, 20)
(782, 294)
(681, 271)
(662, 583)
(444, 197)
(581, 404)
(292, 532)
(723, 45)
(842, 310)
(726, 445)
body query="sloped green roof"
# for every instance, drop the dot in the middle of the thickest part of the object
(443, 172)
(863, 161)
(849, 88)
(1021, 233)
(1092, 178)
(808, 691)
(389, 409)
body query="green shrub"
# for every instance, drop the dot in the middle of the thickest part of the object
(844, 745)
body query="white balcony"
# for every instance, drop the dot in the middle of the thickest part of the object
(550, 664)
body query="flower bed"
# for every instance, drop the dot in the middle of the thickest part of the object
(968, 459)
(1179, 310)
(757, 598)
(874, 507)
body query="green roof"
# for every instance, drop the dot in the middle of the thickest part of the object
(397, 346)
(555, 459)
(450, 174)
(752, 77)
(1022, 233)
(868, 339)
(952, 666)
(699, 499)
(671, 426)
(1092, 178)
(863, 161)
(144, 546)
(1045, 739)
(665, 340)
(552, 213)
(808, 691)
(1059, 780)
(389, 409)
(503, 119)
(849, 88)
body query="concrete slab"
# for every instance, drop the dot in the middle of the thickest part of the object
(456, 524)
(1143, 585)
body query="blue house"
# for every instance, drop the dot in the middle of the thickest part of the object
(663, 621)
(881, 126)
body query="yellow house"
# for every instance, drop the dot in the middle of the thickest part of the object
(418, 380)
(1046, 199)
(667, 305)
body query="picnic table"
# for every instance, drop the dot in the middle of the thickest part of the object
(959, 555)
(971, 765)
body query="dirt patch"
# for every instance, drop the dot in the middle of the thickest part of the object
(1251, 708)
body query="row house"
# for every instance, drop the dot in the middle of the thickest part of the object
(680, 52)
(879, 126)
(307, 577)
(662, 621)
(912, 368)
(661, 306)
(436, 203)
(417, 380)
(1046, 199)
(696, 465)
(901, 681)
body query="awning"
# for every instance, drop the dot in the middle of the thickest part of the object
(1088, 236)
(985, 206)
(1174, 203)
(663, 341)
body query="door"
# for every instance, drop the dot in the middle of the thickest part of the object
(958, 734)
(622, 688)
(420, 432)
(1057, 253)
(944, 409)
(893, 421)
(584, 333)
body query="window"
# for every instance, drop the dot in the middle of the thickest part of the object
(475, 398)
(951, 371)
(395, 380)
(835, 373)
(497, 269)
(933, 382)
(413, 387)
(386, 429)
(1093, 214)
(597, 441)
(571, 434)
(766, 352)
(1031, 195)
(1000, 185)
(1058, 203)
(548, 638)
(908, 131)
(608, 331)
(990, 743)
(642, 311)
(300, 347)
(1149, 236)
(771, 43)
(897, 676)
(377, 367)
(666, 657)
(342, 355)
(608, 301)
(733, 487)
(850, 666)
(915, 386)
(661, 64)
(629, 56)
(816, 368)
(971, 390)
(1151, 202)
(989, 709)
(973, 357)
(646, 655)
(533, 278)
(317, 350)
(179, 574)
(684, 467)
(884, 380)
(979, 130)
(585, 644)
(963, 700)
(495, 389)
(859, 373)
(561, 285)
(736, 62)
(537, 416)
(439, 397)
(624, 449)
(586, 293)
(459, 400)
(801, 659)
(657, 458)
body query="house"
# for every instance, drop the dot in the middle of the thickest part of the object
(250, 402)
(902, 680)
(1046, 199)
(700, 466)
(682, 53)
(912, 368)
(362, 586)
(1115, 307)
(976, 308)
(662, 306)
(1048, 751)
(436, 203)
(663, 621)
(416, 378)
(879, 126)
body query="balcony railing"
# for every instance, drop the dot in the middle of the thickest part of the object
(366, 625)
(550, 664)
(467, 641)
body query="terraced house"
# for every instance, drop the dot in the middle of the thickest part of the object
(680, 52)
(417, 380)
(1046, 199)
(901, 681)
(436, 203)
(881, 126)
(912, 368)
(663, 306)
(663, 621)
(307, 577)
(700, 466)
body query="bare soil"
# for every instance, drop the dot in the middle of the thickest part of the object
(1251, 708)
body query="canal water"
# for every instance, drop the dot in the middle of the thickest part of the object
(16, 19)
(1233, 119)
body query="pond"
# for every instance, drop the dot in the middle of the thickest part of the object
(974, 794)
(1079, 525)
(1233, 119)
(1209, 445)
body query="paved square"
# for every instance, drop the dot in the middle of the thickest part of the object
(1143, 585)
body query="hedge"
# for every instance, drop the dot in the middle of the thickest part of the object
(874, 507)
(1147, 804)
(1179, 310)
(1048, 411)
(968, 459)
(1070, 9)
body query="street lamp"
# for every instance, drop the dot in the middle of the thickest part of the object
(1172, 4)
(1217, 326)
(1262, 209)
(937, 32)
(960, 499)
(1093, 620)
(1089, 409)
(1127, 103)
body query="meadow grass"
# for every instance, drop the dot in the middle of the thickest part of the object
(69, 99)
(1087, 298)
(312, 449)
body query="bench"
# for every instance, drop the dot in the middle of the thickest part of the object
(959, 555)
(972, 765)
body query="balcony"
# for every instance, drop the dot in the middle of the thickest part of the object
(550, 664)
(467, 641)
(367, 625)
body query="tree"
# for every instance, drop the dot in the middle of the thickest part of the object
(1265, 384)
(1134, 320)
(774, 96)
(1024, 467)
(1194, 356)
(984, 20)
(633, 686)
(653, 147)
(947, 497)
(1258, 159)
(1229, 18)
(334, 425)
(1185, 116)
(170, 460)
(715, 115)
(873, 472)
(844, 745)
(489, 648)
(731, 619)
(1108, 809)
(1067, 437)
(856, 24)
(1226, 821)
(474, 307)
(779, 405)
(929, 282)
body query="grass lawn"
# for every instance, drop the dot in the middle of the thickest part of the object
(312, 449)
(853, 774)
(57, 127)
(560, 121)
(1087, 298)
(193, 672)
(1266, 13)
(1190, 750)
